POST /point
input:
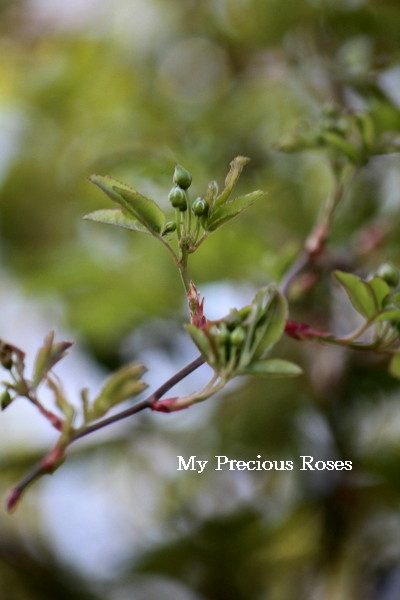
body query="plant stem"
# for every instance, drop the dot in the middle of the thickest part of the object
(156, 395)
(182, 265)
(353, 336)
(316, 240)
(42, 467)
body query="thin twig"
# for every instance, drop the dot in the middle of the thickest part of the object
(146, 403)
(47, 464)
(315, 243)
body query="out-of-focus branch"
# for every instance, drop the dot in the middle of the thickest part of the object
(316, 240)
(57, 454)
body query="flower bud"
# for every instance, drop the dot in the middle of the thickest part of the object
(169, 227)
(389, 274)
(5, 399)
(222, 335)
(237, 336)
(182, 178)
(199, 207)
(177, 197)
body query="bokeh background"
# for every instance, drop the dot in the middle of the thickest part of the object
(129, 88)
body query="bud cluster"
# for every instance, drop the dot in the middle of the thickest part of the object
(178, 195)
(230, 345)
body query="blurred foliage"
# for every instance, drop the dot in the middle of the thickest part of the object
(129, 89)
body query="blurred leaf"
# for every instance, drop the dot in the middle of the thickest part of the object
(48, 356)
(273, 367)
(115, 216)
(380, 289)
(388, 315)
(61, 402)
(5, 399)
(120, 386)
(265, 322)
(394, 365)
(202, 342)
(339, 143)
(271, 325)
(360, 294)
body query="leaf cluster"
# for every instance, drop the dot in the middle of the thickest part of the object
(238, 343)
(379, 306)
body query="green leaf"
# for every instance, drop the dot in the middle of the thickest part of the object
(394, 365)
(85, 404)
(380, 289)
(62, 403)
(5, 399)
(265, 322)
(271, 327)
(115, 216)
(395, 299)
(106, 183)
(360, 294)
(231, 179)
(40, 367)
(47, 356)
(338, 143)
(224, 213)
(389, 315)
(121, 385)
(273, 367)
(203, 343)
(146, 211)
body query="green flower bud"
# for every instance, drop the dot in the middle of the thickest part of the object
(389, 274)
(6, 358)
(233, 319)
(177, 197)
(222, 335)
(199, 207)
(169, 227)
(5, 399)
(182, 178)
(237, 336)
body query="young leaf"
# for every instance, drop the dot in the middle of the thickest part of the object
(146, 211)
(273, 367)
(203, 343)
(231, 179)
(85, 404)
(272, 326)
(116, 216)
(62, 403)
(47, 356)
(394, 365)
(360, 293)
(389, 315)
(380, 289)
(338, 143)
(265, 322)
(224, 213)
(120, 386)
(42, 359)
(5, 399)
(106, 184)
